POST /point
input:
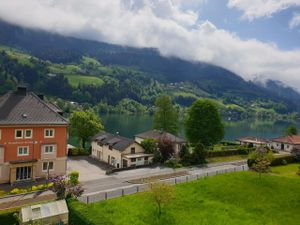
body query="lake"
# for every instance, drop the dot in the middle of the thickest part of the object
(129, 125)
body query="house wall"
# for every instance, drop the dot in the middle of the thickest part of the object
(9, 149)
(278, 146)
(102, 153)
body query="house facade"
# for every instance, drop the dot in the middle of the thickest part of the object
(33, 137)
(118, 151)
(157, 135)
(286, 143)
(256, 142)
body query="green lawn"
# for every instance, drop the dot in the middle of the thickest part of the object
(228, 199)
(76, 79)
(287, 170)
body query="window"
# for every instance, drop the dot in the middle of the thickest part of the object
(49, 133)
(146, 157)
(22, 151)
(133, 160)
(110, 147)
(48, 166)
(28, 133)
(48, 149)
(139, 159)
(132, 150)
(19, 134)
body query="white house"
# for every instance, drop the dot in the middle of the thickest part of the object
(157, 135)
(118, 151)
(286, 143)
(256, 142)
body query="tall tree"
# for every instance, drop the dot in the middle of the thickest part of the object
(84, 124)
(291, 130)
(203, 123)
(166, 116)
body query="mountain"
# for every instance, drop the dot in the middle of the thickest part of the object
(172, 73)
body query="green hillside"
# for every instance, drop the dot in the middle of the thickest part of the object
(115, 88)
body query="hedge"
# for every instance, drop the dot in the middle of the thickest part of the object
(239, 151)
(282, 160)
(78, 152)
(75, 218)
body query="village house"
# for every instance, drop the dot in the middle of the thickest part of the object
(33, 137)
(286, 143)
(158, 135)
(118, 151)
(254, 141)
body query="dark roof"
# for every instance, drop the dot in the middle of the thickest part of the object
(26, 108)
(253, 140)
(158, 134)
(292, 139)
(117, 142)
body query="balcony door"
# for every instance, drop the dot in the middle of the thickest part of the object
(23, 173)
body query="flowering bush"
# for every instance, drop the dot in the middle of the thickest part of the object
(64, 187)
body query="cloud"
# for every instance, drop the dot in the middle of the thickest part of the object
(253, 9)
(170, 26)
(295, 21)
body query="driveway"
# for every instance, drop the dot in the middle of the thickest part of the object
(88, 168)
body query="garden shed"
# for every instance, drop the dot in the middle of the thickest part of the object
(54, 213)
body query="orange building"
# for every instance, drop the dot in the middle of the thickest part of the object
(33, 137)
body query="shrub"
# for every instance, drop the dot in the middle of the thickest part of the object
(34, 188)
(2, 193)
(283, 162)
(173, 163)
(199, 154)
(17, 191)
(298, 172)
(279, 159)
(149, 145)
(73, 176)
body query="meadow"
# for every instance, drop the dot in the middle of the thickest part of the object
(228, 199)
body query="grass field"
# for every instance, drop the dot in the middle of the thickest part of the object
(226, 158)
(75, 80)
(289, 170)
(228, 199)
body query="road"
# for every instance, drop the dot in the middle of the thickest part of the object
(121, 179)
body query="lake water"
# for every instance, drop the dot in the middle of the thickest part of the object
(129, 125)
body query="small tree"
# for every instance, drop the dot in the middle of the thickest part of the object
(162, 194)
(199, 154)
(291, 130)
(84, 124)
(166, 116)
(149, 145)
(261, 160)
(166, 148)
(73, 176)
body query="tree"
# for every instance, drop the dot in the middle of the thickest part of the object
(84, 124)
(203, 123)
(166, 116)
(162, 194)
(261, 160)
(185, 155)
(166, 149)
(291, 130)
(149, 145)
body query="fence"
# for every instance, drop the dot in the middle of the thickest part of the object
(135, 188)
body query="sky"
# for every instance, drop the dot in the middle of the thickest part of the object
(257, 39)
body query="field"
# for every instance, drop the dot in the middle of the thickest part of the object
(228, 199)
(289, 170)
(75, 80)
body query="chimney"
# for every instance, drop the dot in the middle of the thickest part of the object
(21, 90)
